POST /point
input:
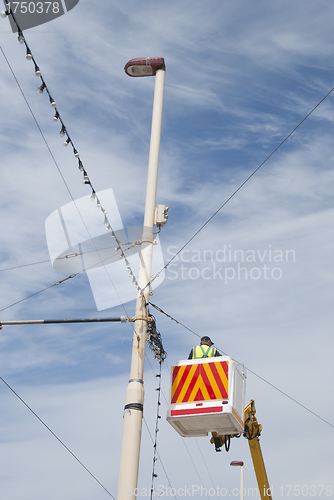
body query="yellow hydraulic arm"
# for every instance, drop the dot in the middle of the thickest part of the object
(252, 431)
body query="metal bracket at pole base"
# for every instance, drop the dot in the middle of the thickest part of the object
(134, 406)
(139, 380)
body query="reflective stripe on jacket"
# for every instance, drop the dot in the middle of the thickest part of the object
(203, 351)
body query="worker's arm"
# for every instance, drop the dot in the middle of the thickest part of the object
(191, 354)
(217, 353)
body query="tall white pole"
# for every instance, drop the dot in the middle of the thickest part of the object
(133, 410)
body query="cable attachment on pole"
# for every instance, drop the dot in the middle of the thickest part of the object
(132, 244)
(155, 342)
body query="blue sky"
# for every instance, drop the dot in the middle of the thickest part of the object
(239, 77)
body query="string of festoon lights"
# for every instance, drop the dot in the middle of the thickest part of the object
(68, 141)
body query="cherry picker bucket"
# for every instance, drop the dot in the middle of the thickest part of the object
(207, 395)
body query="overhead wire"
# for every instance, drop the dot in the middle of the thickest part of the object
(50, 430)
(248, 369)
(61, 281)
(68, 256)
(86, 179)
(25, 265)
(57, 283)
(44, 87)
(183, 439)
(155, 444)
(194, 465)
(156, 452)
(237, 190)
(205, 463)
(162, 465)
(40, 291)
(184, 442)
(57, 437)
(73, 275)
(67, 187)
(58, 168)
(201, 228)
(195, 234)
(149, 432)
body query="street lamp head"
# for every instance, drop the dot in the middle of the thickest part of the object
(144, 66)
(236, 462)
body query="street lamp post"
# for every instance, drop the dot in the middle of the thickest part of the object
(133, 410)
(241, 465)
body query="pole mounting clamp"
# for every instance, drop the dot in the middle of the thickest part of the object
(140, 318)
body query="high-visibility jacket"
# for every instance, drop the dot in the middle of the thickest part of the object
(203, 351)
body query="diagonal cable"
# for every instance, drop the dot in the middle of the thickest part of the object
(59, 283)
(248, 369)
(238, 189)
(63, 132)
(58, 439)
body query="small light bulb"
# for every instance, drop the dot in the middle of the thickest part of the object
(53, 103)
(3, 14)
(86, 180)
(76, 154)
(106, 222)
(66, 143)
(56, 116)
(37, 71)
(98, 204)
(28, 55)
(41, 88)
(93, 196)
(21, 37)
(63, 131)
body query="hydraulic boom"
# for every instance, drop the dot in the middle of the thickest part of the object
(252, 431)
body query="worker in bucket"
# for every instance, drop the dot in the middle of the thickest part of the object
(204, 350)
